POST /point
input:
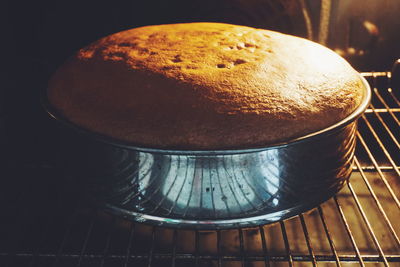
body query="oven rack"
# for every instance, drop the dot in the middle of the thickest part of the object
(45, 223)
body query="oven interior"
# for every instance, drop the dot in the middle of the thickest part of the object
(46, 222)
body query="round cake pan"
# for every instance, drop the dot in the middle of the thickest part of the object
(210, 189)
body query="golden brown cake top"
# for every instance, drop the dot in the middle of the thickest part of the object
(204, 86)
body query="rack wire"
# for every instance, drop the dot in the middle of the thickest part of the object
(44, 223)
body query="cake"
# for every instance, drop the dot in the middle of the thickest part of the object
(204, 86)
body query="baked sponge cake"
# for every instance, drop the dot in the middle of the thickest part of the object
(204, 86)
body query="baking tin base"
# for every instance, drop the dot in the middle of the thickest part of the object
(270, 216)
(215, 190)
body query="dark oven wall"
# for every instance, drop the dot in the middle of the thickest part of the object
(40, 35)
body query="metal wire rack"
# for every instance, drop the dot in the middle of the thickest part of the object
(45, 223)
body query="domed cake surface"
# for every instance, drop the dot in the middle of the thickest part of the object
(204, 86)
